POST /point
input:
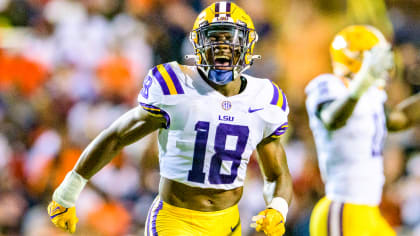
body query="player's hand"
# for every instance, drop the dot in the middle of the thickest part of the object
(64, 218)
(374, 70)
(379, 61)
(270, 221)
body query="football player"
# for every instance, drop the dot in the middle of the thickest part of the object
(349, 125)
(210, 118)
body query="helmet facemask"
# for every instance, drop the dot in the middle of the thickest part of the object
(223, 46)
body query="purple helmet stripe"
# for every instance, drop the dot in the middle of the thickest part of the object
(228, 9)
(155, 214)
(161, 81)
(216, 9)
(174, 78)
(275, 96)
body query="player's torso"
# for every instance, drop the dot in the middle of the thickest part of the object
(211, 137)
(363, 134)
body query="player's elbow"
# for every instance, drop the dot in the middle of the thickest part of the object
(113, 137)
(331, 123)
(334, 125)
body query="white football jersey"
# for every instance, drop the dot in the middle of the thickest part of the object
(350, 158)
(209, 138)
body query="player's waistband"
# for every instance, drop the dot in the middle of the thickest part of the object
(188, 212)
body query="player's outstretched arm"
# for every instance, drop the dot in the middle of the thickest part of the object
(405, 114)
(130, 127)
(278, 188)
(127, 129)
(373, 71)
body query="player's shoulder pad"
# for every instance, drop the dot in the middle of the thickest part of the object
(272, 98)
(323, 80)
(161, 83)
(169, 78)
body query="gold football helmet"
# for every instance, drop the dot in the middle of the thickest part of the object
(223, 37)
(348, 47)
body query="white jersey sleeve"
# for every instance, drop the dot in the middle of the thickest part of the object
(324, 88)
(276, 112)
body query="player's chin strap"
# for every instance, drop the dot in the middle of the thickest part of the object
(220, 77)
(277, 203)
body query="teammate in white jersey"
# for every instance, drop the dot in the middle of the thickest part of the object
(349, 125)
(210, 118)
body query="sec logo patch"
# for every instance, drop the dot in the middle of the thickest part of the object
(226, 105)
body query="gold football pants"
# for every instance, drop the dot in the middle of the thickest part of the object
(167, 220)
(330, 218)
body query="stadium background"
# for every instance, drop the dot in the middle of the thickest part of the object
(69, 68)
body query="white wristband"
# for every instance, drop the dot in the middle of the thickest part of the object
(67, 193)
(279, 204)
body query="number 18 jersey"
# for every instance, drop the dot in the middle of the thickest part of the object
(208, 138)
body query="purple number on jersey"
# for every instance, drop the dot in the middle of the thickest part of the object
(378, 136)
(196, 174)
(146, 85)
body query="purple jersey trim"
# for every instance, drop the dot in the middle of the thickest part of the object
(284, 106)
(174, 78)
(161, 81)
(275, 96)
(157, 111)
(280, 130)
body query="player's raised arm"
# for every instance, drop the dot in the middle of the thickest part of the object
(278, 187)
(376, 63)
(405, 114)
(361, 58)
(130, 127)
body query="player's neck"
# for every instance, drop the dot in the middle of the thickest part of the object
(230, 89)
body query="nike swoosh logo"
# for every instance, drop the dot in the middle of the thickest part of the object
(51, 217)
(254, 110)
(236, 226)
(54, 210)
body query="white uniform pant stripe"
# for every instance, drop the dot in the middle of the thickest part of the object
(335, 219)
(153, 207)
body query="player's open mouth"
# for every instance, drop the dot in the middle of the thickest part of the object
(222, 61)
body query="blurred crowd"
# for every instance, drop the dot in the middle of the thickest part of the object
(69, 68)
